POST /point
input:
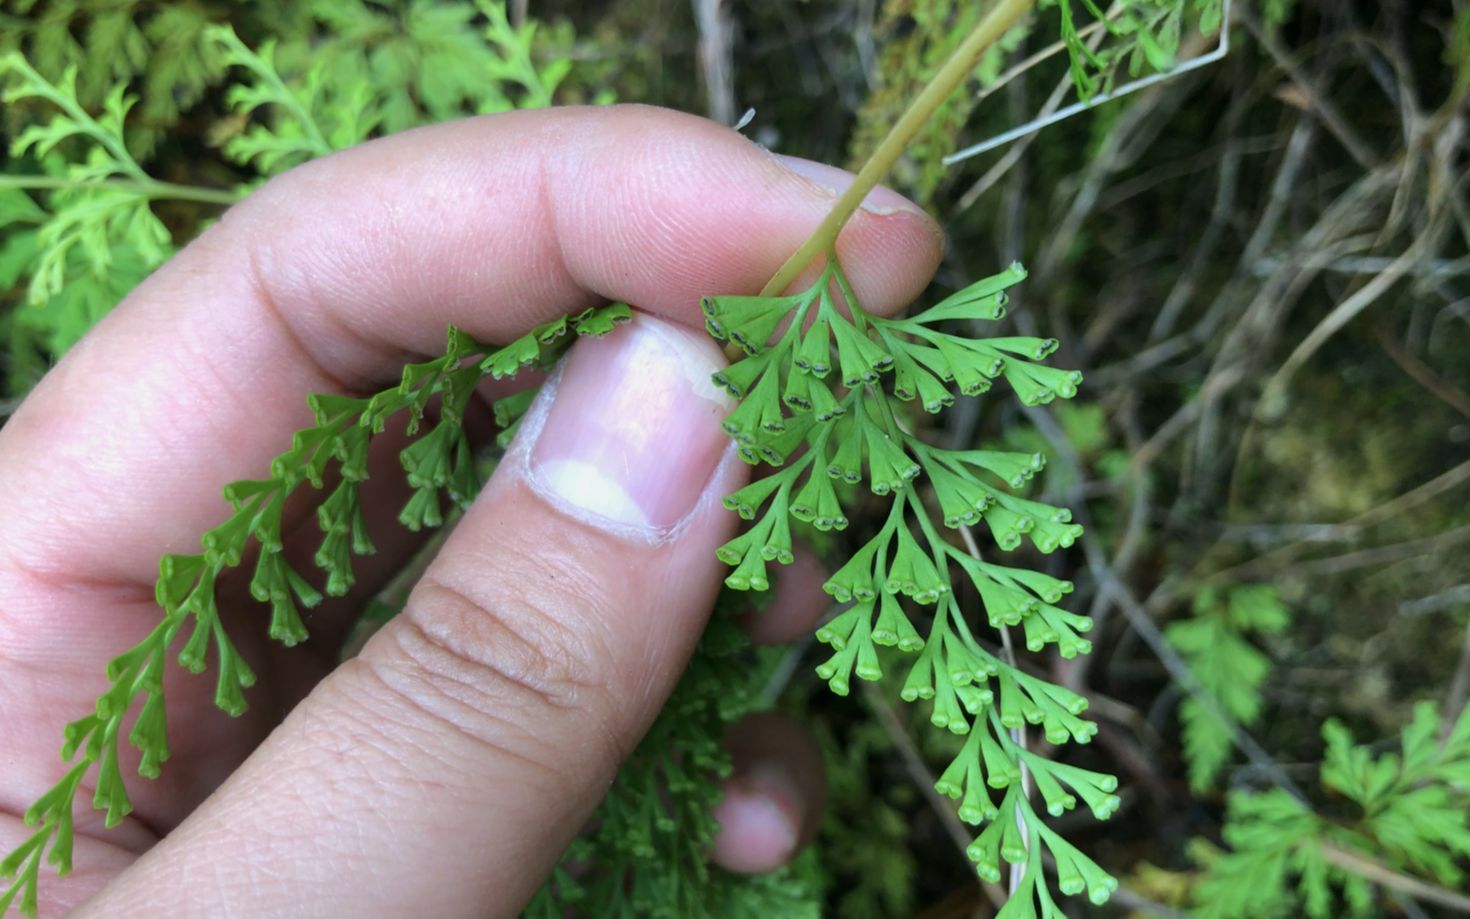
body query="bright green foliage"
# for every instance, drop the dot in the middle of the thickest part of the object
(295, 133)
(423, 61)
(382, 69)
(77, 205)
(1143, 35)
(113, 44)
(1409, 809)
(1146, 33)
(412, 61)
(813, 406)
(440, 467)
(178, 70)
(96, 236)
(1215, 644)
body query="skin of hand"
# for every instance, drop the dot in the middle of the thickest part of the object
(442, 770)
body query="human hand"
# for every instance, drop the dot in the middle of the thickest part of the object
(444, 769)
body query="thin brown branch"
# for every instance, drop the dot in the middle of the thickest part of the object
(924, 780)
(1423, 374)
(1384, 876)
(1382, 555)
(1018, 735)
(1340, 316)
(1264, 564)
(1459, 689)
(1316, 99)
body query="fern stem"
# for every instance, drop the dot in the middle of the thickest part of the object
(1018, 735)
(66, 101)
(146, 188)
(964, 59)
(262, 65)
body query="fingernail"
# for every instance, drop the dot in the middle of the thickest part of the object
(881, 200)
(632, 435)
(757, 830)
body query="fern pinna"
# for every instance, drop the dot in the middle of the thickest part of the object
(820, 389)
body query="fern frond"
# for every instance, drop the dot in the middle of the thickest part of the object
(179, 69)
(97, 234)
(1145, 37)
(294, 134)
(117, 43)
(813, 406)
(1410, 811)
(1216, 645)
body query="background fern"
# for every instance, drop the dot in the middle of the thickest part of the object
(1216, 644)
(91, 208)
(1407, 807)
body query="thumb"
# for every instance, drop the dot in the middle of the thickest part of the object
(446, 768)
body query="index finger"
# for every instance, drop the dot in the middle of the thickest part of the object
(329, 277)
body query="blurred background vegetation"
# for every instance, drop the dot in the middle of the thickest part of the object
(1262, 266)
